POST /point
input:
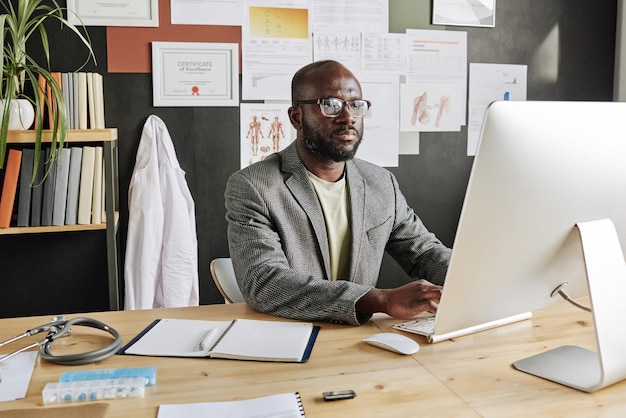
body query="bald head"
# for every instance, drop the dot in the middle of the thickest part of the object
(311, 75)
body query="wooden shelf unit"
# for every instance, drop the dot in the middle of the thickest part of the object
(18, 230)
(108, 138)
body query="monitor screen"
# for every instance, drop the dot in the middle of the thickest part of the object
(540, 168)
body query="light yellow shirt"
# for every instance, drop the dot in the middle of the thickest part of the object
(333, 197)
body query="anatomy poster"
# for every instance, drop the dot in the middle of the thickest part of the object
(265, 129)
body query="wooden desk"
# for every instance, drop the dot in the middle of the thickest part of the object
(478, 368)
(469, 377)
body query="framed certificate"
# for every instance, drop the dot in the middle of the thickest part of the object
(113, 12)
(195, 74)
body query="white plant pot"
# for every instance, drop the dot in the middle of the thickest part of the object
(21, 114)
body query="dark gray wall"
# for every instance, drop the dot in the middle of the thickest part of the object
(434, 182)
(207, 145)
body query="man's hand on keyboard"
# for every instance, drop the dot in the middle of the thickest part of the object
(404, 302)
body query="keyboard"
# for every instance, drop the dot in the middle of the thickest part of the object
(422, 326)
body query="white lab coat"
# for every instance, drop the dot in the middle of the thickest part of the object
(161, 266)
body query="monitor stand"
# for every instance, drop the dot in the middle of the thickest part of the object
(578, 367)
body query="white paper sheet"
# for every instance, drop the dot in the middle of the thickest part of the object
(206, 12)
(490, 82)
(464, 12)
(437, 61)
(343, 46)
(381, 140)
(334, 15)
(285, 405)
(275, 43)
(15, 374)
(384, 53)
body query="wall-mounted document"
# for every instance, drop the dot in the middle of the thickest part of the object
(239, 339)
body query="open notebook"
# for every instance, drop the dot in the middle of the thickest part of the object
(239, 339)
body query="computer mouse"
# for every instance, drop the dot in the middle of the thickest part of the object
(393, 342)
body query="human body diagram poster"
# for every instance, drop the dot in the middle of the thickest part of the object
(265, 129)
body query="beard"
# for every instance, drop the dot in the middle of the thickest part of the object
(323, 146)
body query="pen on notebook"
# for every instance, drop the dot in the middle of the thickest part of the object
(208, 338)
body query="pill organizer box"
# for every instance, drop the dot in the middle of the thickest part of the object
(92, 390)
(148, 373)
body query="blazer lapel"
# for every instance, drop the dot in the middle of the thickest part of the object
(303, 192)
(356, 188)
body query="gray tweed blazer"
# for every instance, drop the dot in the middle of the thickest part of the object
(279, 246)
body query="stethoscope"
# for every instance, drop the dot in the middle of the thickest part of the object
(61, 327)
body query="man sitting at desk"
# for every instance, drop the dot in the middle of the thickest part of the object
(308, 226)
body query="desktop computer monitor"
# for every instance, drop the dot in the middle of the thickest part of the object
(546, 206)
(540, 168)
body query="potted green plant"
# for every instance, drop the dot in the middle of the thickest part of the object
(20, 20)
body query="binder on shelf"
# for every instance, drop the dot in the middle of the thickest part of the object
(9, 187)
(85, 194)
(239, 339)
(25, 194)
(60, 187)
(73, 186)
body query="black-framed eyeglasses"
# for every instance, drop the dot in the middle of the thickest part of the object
(332, 106)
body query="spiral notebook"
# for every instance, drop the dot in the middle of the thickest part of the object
(239, 339)
(281, 405)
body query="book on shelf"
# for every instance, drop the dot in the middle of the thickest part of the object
(98, 88)
(55, 200)
(83, 97)
(47, 205)
(26, 189)
(91, 100)
(96, 210)
(74, 101)
(103, 216)
(9, 187)
(66, 88)
(85, 93)
(279, 405)
(36, 201)
(60, 187)
(50, 105)
(82, 100)
(41, 92)
(239, 339)
(73, 186)
(85, 194)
